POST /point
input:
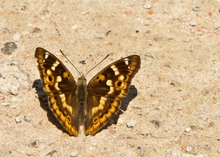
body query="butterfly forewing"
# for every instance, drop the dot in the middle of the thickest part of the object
(60, 87)
(106, 90)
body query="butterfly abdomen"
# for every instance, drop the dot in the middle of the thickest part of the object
(81, 94)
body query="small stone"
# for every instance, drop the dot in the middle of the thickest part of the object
(25, 33)
(140, 151)
(74, 153)
(34, 144)
(148, 5)
(189, 149)
(18, 120)
(14, 106)
(83, 62)
(23, 7)
(74, 27)
(197, 7)
(27, 119)
(157, 123)
(51, 153)
(175, 153)
(14, 90)
(131, 123)
(193, 24)
(120, 121)
(36, 30)
(36, 95)
(188, 129)
(5, 104)
(16, 37)
(203, 117)
(9, 48)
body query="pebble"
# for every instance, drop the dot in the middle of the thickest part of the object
(5, 104)
(36, 30)
(188, 129)
(34, 144)
(120, 121)
(25, 33)
(157, 123)
(16, 37)
(203, 117)
(148, 5)
(36, 95)
(27, 119)
(131, 123)
(193, 24)
(9, 48)
(74, 153)
(140, 151)
(18, 120)
(14, 90)
(175, 153)
(189, 149)
(51, 153)
(197, 7)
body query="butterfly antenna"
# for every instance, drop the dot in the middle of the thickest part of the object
(97, 64)
(70, 62)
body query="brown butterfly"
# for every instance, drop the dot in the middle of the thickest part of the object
(76, 104)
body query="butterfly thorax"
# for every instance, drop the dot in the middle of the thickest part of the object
(81, 94)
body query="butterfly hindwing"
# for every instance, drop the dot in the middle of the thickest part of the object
(60, 87)
(106, 90)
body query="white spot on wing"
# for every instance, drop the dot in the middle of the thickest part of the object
(55, 65)
(56, 87)
(121, 77)
(115, 69)
(111, 90)
(62, 95)
(101, 105)
(126, 61)
(109, 83)
(46, 55)
(53, 68)
(49, 72)
(59, 79)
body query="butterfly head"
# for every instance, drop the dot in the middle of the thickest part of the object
(82, 80)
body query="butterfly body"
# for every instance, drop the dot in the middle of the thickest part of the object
(91, 105)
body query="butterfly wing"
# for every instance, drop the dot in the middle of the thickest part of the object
(106, 90)
(60, 87)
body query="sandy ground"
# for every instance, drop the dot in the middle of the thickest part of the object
(174, 105)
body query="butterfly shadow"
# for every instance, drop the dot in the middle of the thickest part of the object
(43, 99)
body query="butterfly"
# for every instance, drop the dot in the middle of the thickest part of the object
(76, 103)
